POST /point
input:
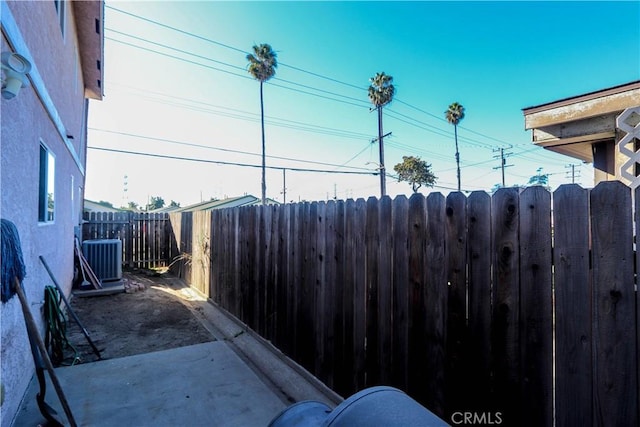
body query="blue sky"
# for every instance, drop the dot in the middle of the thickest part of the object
(176, 86)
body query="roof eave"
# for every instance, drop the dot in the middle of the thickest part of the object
(89, 16)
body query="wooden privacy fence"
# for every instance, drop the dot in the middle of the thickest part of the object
(147, 241)
(497, 305)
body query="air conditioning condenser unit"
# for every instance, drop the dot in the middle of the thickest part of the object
(104, 257)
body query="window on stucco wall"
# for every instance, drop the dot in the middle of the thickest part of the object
(61, 7)
(46, 193)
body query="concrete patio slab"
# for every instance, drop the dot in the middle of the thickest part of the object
(201, 385)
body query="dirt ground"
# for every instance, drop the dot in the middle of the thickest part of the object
(154, 316)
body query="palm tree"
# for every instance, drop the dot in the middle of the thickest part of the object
(262, 66)
(381, 93)
(454, 115)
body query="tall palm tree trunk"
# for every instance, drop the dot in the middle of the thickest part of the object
(383, 173)
(264, 165)
(455, 131)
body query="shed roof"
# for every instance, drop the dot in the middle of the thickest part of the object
(230, 202)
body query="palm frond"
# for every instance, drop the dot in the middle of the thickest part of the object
(455, 113)
(381, 90)
(263, 62)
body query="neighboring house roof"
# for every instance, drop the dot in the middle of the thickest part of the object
(231, 202)
(91, 206)
(89, 17)
(571, 125)
(164, 209)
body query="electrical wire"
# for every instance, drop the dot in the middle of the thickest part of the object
(347, 99)
(208, 147)
(190, 34)
(218, 162)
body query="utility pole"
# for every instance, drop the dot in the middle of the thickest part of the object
(503, 161)
(383, 171)
(125, 199)
(284, 186)
(572, 171)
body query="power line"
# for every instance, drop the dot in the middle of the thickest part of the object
(503, 162)
(571, 172)
(228, 150)
(297, 69)
(242, 76)
(218, 162)
(229, 46)
(437, 130)
(220, 62)
(357, 154)
(244, 115)
(175, 29)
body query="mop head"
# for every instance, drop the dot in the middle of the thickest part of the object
(10, 259)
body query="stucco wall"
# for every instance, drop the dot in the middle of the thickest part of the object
(26, 121)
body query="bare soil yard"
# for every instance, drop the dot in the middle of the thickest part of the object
(155, 317)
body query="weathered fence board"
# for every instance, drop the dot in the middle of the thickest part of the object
(479, 317)
(384, 303)
(573, 311)
(417, 305)
(321, 311)
(456, 249)
(435, 300)
(505, 343)
(372, 244)
(536, 330)
(400, 294)
(359, 295)
(616, 386)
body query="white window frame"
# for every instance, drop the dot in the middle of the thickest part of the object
(46, 185)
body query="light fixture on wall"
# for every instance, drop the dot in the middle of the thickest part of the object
(15, 68)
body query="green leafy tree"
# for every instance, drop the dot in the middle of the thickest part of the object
(416, 172)
(132, 206)
(381, 92)
(262, 66)
(174, 204)
(539, 179)
(454, 115)
(155, 202)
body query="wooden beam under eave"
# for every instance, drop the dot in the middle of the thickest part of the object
(580, 110)
(580, 150)
(591, 129)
